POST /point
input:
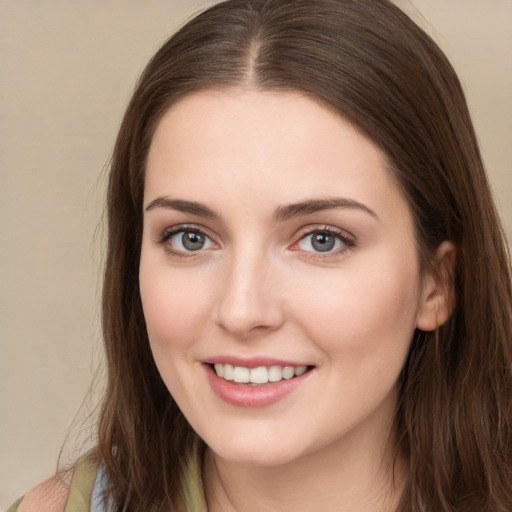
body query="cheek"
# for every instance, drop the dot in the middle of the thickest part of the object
(175, 307)
(366, 314)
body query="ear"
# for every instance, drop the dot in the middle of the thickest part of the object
(438, 293)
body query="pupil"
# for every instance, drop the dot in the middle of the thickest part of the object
(193, 241)
(322, 242)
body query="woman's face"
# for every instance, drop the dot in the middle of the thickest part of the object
(276, 243)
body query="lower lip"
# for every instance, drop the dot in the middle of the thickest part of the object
(243, 395)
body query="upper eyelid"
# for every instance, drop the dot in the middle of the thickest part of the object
(319, 228)
(348, 240)
(187, 227)
(165, 234)
(164, 239)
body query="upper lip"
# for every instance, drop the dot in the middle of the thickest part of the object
(252, 362)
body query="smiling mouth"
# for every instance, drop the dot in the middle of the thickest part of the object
(258, 376)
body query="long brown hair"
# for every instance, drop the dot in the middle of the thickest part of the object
(369, 62)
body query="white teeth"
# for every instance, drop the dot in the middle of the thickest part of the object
(228, 372)
(300, 370)
(219, 369)
(288, 372)
(241, 374)
(275, 373)
(260, 375)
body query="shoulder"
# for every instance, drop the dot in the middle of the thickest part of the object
(68, 491)
(50, 496)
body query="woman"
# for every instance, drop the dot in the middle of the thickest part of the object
(307, 298)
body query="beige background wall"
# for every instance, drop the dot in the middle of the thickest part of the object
(66, 71)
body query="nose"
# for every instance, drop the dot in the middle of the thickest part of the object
(249, 300)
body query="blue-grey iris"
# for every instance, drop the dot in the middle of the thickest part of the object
(322, 242)
(193, 241)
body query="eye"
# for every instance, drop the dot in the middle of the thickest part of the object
(188, 240)
(324, 241)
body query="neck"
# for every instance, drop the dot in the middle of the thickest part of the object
(357, 473)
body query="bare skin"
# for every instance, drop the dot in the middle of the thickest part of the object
(49, 496)
(369, 484)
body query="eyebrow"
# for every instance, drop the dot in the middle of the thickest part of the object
(291, 211)
(181, 205)
(281, 213)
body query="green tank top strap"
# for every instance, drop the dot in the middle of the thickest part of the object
(14, 506)
(192, 481)
(86, 469)
(82, 483)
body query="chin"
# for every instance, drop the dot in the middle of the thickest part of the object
(255, 456)
(248, 449)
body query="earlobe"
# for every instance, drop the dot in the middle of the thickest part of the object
(438, 292)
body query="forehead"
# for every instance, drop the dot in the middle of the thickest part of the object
(247, 145)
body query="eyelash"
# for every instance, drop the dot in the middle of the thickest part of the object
(348, 242)
(170, 232)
